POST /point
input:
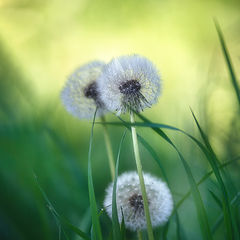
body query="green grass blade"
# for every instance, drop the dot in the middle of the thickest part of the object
(205, 177)
(212, 159)
(116, 225)
(62, 220)
(155, 156)
(228, 61)
(201, 212)
(97, 234)
(221, 217)
(123, 228)
(216, 199)
(180, 232)
(143, 142)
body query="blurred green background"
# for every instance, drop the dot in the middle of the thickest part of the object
(43, 41)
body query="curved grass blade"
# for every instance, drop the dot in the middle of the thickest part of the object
(116, 225)
(123, 228)
(205, 177)
(214, 164)
(96, 229)
(216, 199)
(144, 143)
(154, 155)
(60, 219)
(228, 61)
(221, 217)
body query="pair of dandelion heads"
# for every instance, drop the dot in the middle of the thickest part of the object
(125, 84)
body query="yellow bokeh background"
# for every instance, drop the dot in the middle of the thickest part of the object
(49, 39)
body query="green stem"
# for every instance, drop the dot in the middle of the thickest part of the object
(109, 149)
(141, 179)
(139, 233)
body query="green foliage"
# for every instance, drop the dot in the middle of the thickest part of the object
(118, 233)
(96, 229)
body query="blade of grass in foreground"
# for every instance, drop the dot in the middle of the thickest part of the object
(228, 61)
(216, 199)
(145, 144)
(116, 225)
(214, 164)
(62, 220)
(97, 234)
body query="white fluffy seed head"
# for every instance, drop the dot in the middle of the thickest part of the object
(80, 94)
(130, 204)
(129, 82)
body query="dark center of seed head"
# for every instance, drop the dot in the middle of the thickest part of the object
(91, 91)
(130, 87)
(136, 201)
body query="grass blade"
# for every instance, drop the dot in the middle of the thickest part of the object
(123, 228)
(116, 225)
(145, 144)
(228, 61)
(221, 217)
(205, 177)
(97, 234)
(212, 159)
(216, 199)
(62, 220)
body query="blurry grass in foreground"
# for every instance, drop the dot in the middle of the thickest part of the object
(30, 142)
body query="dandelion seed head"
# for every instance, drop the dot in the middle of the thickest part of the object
(129, 82)
(80, 94)
(130, 202)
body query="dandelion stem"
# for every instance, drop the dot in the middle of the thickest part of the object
(141, 179)
(139, 233)
(109, 148)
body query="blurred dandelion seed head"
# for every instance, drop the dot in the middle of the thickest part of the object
(129, 82)
(130, 203)
(80, 95)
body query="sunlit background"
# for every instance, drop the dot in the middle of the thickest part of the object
(43, 41)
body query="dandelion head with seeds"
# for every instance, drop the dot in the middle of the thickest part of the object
(130, 202)
(80, 95)
(129, 82)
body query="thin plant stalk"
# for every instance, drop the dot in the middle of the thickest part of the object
(141, 179)
(109, 149)
(139, 234)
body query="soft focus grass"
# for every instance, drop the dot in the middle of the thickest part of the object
(43, 41)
